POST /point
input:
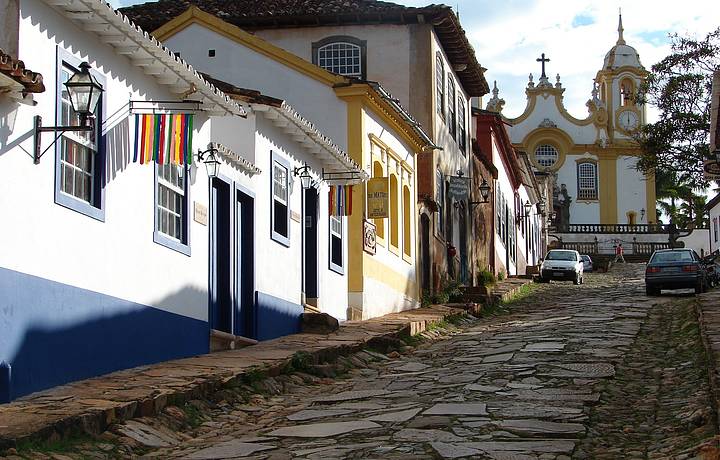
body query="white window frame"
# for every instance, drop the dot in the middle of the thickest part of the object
(278, 161)
(542, 154)
(440, 85)
(91, 204)
(336, 233)
(584, 180)
(353, 52)
(181, 242)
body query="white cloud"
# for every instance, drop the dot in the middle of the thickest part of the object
(508, 36)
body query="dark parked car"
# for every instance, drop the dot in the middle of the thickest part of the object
(675, 269)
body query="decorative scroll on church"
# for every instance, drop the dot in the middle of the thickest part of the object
(340, 199)
(163, 138)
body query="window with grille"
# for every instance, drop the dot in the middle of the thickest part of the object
(171, 201)
(451, 121)
(440, 84)
(587, 181)
(462, 132)
(546, 155)
(715, 228)
(342, 58)
(336, 246)
(498, 211)
(280, 201)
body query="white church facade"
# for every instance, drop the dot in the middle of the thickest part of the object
(591, 159)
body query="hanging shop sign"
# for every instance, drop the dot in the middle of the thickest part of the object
(369, 237)
(377, 198)
(712, 169)
(459, 187)
(163, 138)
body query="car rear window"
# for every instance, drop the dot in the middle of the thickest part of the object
(674, 256)
(561, 255)
(585, 258)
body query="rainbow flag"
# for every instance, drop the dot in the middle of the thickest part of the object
(163, 139)
(340, 200)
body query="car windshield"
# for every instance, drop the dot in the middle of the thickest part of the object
(585, 258)
(672, 256)
(561, 255)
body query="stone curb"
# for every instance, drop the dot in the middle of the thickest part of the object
(60, 412)
(709, 339)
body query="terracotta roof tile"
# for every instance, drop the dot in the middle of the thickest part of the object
(15, 69)
(273, 14)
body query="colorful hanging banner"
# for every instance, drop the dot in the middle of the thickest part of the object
(340, 200)
(163, 138)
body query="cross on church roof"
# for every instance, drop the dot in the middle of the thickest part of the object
(543, 60)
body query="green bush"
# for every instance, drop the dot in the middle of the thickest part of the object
(485, 278)
(501, 275)
(449, 289)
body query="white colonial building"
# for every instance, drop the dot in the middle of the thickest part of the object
(179, 221)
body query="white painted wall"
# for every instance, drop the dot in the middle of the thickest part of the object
(631, 190)
(243, 67)
(388, 50)
(506, 188)
(117, 257)
(714, 216)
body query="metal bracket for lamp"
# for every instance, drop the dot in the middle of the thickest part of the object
(484, 193)
(39, 129)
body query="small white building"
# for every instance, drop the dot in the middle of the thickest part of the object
(112, 256)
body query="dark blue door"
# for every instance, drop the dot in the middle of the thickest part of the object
(221, 307)
(310, 240)
(244, 265)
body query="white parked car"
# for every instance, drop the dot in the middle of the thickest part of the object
(562, 264)
(587, 263)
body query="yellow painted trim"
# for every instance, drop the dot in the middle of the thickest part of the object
(607, 182)
(355, 129)
(390, 277)
(389, 151)
(551, 136)
(195, 15)
(383, 110)
(557, 93)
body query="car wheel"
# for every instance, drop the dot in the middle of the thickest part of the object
(576, 281)
(582, 279)
(699, 288)
(649, 291)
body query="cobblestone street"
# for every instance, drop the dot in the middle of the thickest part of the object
(592, 371)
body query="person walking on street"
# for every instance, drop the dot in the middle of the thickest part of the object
(619, 254)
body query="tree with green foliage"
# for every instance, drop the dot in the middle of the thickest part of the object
(680, 87)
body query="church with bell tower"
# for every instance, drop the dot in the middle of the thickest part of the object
(591, 159)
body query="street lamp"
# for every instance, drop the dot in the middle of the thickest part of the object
(484, 194)
(304, 173)
(84, 91)
(212, 164)
(526, 207)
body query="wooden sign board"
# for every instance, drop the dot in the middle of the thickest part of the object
(378, 198)
(200, 213)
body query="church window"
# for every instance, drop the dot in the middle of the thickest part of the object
(451, 121)
(546, 155)
(440, 84)
(341, 54)
(587, 181)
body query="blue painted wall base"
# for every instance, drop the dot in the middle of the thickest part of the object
(275, 317)
(53, 333)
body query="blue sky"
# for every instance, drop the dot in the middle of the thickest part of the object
(575, 34)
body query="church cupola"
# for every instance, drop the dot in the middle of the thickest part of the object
(622, 54)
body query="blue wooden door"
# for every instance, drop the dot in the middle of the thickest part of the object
(221, 305)
(244, 266)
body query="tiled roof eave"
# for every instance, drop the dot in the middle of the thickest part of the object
(330, 154)
(118, 31)
(14, 69)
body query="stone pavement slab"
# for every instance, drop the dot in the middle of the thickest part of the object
(92, 405)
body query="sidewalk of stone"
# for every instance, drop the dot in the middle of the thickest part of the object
(708, 310)
(90, 406)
